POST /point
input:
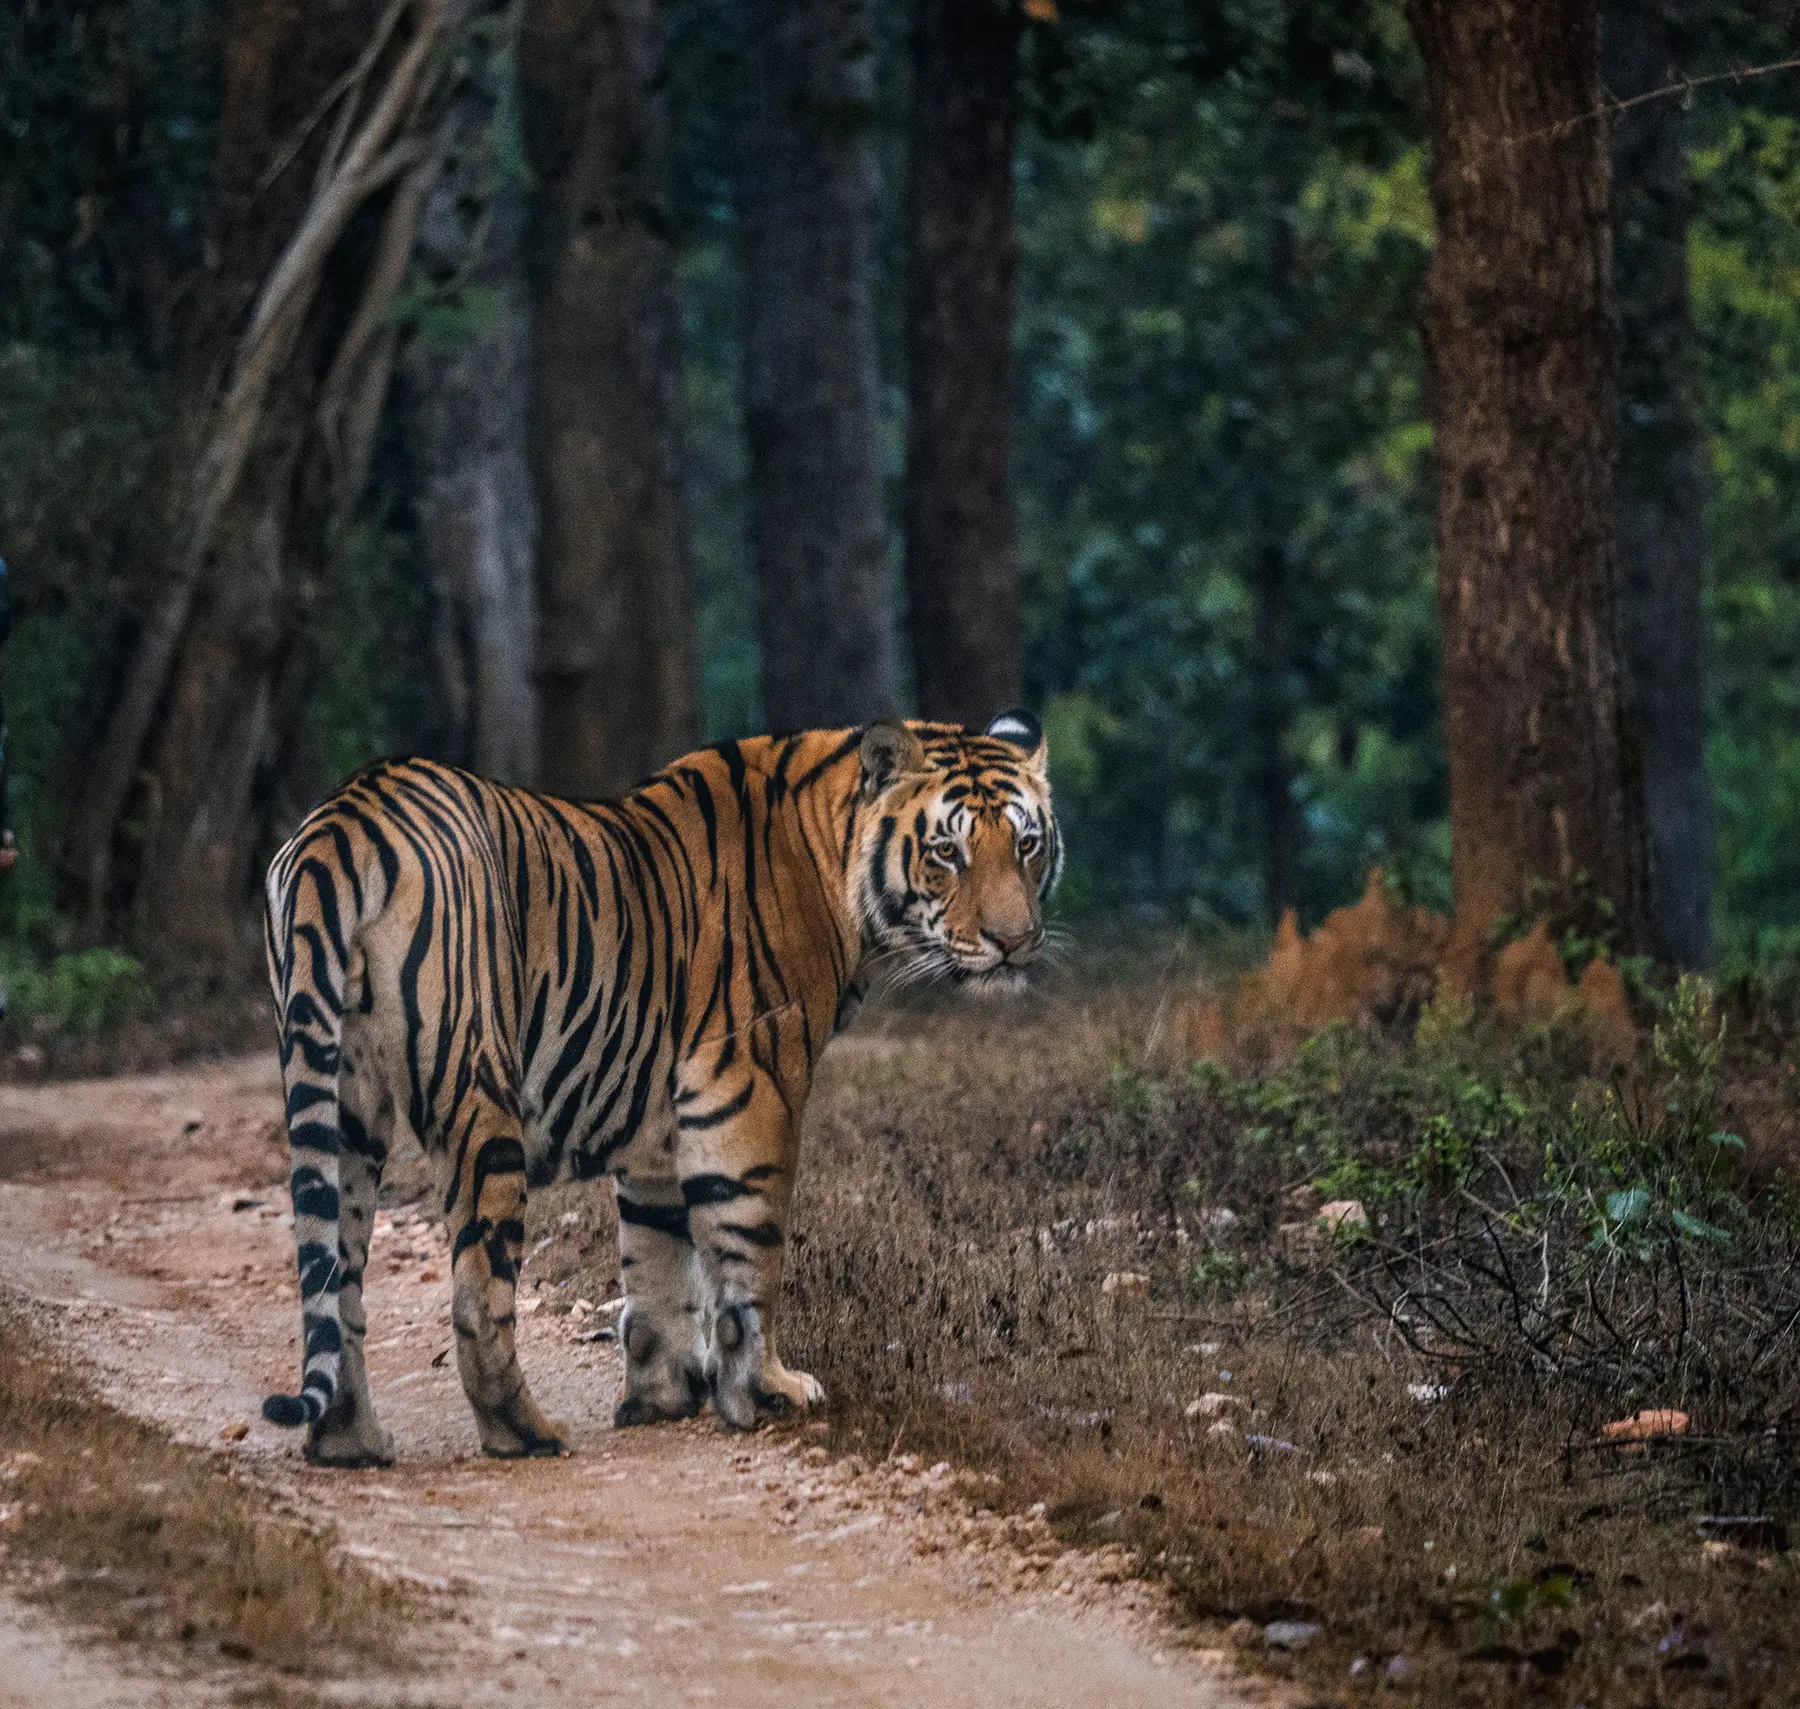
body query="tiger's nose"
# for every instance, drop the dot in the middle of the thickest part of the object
(1013, 945)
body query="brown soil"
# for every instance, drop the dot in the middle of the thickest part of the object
(141, 1219)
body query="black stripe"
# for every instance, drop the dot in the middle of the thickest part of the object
(723, 1114)
(758, 1234)
(713, 1190)
(671, 1220)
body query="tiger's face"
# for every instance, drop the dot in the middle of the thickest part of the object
(960, 850)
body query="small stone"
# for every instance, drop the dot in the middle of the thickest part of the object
(29, 1056)
(1359, 1669)
(1125, 1284)
(1647, 1425)
(1221, 1427)
(1211, 1405)
(1716, 1553)
(1291, 1634)
(1399, 1670)
(1342, 1214)
(527, 1306)
(1657, 1617)
(583, 1306)
(235, 1431)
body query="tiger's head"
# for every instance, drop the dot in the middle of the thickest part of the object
(959, 848)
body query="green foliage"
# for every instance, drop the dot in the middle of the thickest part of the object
(1217, 1271)
(1744, 256)
(1219, 372)
(374, 610)
(106, 132)
(1652, 1165)
(86, 991)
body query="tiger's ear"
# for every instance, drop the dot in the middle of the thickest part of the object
(889, 751)
(1024, 731)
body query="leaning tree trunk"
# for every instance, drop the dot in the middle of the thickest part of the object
(217, 725)
(331, 137)
(806, 185)
(470, 408)
(617, 654)
(1662, 489)
(1519, 330)
(962, 570)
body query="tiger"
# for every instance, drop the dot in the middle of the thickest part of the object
(539, 989)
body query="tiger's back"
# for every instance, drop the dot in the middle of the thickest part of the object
(537, 988)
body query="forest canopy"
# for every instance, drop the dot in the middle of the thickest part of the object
(1219, 440)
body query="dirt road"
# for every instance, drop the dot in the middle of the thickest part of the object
(143, 1219)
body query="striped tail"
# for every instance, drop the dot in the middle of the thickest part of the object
(308, 961)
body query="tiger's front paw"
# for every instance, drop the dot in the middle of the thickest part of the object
(522, 1432)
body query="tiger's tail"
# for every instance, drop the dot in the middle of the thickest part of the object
(309, 926)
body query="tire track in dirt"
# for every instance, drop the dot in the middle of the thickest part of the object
(672, 1563)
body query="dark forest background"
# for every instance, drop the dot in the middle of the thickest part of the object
(519, 487)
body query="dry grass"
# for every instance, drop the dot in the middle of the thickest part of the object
(152, 1542)
(965, 1194)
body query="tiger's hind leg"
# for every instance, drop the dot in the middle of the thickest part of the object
(350, 1434)
(486, 1214)
(665, 1352)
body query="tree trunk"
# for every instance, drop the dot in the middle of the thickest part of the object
(1272, 597)
(1545, 779)
(806, 186)
(617, 650)
(470, 416)
(962, 571)
(217, 724)
(1662, 491)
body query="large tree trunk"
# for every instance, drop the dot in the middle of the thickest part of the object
(617, 649)
(470, 415)
(1518, 315)
(962, 571)
(331, 137)
(218, 724)
(806, 184)
(1662, 491)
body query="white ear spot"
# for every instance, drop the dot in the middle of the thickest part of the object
(1019, 727)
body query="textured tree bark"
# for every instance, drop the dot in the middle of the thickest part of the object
(806, 184)
(1545, 779)
(617, 651)
(471, 410)
(962, 571)
(218, 726)
(1662, 488)
(1272, 594)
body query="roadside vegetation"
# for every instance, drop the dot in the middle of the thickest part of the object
(1043, 1242)
(151, 1542)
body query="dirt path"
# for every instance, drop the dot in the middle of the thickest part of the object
(143, 1216)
